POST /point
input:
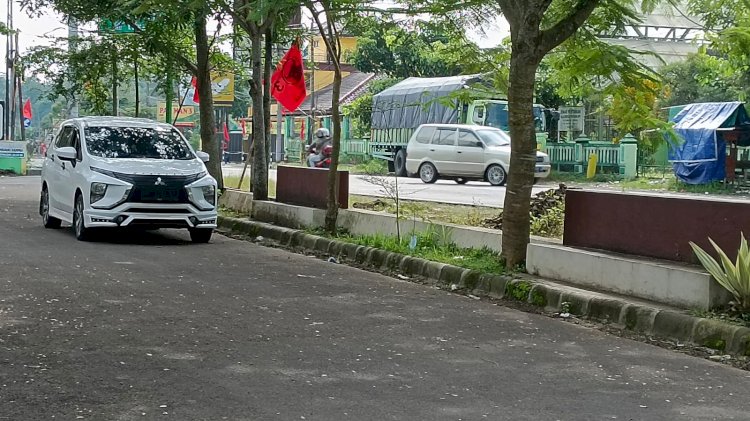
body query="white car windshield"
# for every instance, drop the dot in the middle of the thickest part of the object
(494, 137)
(136, 142)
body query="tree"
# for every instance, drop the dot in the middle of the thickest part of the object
(325, 18)
(537, 27)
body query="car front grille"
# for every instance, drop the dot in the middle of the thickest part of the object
(157, 188)
(539, 159)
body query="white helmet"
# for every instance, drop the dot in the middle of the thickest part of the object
(322, 133)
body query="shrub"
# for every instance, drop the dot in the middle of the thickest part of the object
(734, 277)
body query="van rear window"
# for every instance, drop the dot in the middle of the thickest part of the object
(425, 134)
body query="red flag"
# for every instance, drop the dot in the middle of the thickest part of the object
(226, 137)
(244, 129)
(27, 109)
(196, 96)
(288, 81)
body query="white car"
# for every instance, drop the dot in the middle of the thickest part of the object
(463, 153)
(107, 172)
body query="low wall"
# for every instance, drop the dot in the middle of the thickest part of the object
(674, 284)
(654, 225)
(309, 187)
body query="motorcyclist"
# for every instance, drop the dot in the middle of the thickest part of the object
(322, 138)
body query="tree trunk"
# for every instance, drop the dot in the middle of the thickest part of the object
(259, 166)
(206, 105)
(267, 61)
(516, 217)
(137, 88)
(115, 100)
(332, 207)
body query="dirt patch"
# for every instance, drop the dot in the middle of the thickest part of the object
(541, 204)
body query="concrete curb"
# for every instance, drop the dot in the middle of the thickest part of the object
(545, 295)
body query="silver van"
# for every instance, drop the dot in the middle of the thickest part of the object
(463, 153)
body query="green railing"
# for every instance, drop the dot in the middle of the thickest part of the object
(575, 156)
(350, 148)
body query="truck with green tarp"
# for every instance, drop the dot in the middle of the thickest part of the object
(400, 109)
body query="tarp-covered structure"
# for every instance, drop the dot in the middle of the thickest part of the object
(700, 155)
(416, 101)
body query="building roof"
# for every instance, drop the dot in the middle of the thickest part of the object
(353, 85)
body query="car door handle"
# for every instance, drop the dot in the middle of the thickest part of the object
(432, 150)
(459, 152)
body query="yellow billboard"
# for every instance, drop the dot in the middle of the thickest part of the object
(222, 87)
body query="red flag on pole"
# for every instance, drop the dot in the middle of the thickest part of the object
(288, 81)
(226, 137)
(196, 96)
(244, 128)
(27, 109)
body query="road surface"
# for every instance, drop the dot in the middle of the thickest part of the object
(444, 191)
(150, 327)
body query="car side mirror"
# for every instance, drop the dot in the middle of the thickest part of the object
(203, 156)
(480, 144)
(67, 153)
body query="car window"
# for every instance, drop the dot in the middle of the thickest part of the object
(425, 134)
(467, 138)
(63, 139)
(136, 142)
(445, 137)
(494, 137)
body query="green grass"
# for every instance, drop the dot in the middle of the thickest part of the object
(233, 181)
(430, 247)
(470, 215)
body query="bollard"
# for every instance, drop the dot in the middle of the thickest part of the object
(591, 169)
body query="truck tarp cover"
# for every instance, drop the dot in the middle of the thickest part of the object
(416, 101)
(700, 157)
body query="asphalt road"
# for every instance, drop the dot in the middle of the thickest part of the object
(444, 191)
(150, 327)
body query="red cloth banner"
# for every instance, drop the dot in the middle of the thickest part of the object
(288, 81)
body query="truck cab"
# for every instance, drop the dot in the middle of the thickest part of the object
(494, 113)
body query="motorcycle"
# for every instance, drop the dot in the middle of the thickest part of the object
(327, 152)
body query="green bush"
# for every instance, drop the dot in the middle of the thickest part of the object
(551, 223)
(734, 277)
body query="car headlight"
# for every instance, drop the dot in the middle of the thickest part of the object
(209, 194)
(98, 190)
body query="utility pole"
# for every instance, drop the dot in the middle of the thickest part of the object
(19, 79)
(6, 111)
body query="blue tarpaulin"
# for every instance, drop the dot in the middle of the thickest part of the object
(700, 156)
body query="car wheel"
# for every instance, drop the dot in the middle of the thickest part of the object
(79, 222)
(496, 175)
(48, 221)
(461, 180)
(428, 173)
(399, 163)
(201, 235)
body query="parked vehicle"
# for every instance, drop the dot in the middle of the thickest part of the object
(464, 153)
(399, 110)
(106, 172)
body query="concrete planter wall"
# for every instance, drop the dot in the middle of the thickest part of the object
(669, 283)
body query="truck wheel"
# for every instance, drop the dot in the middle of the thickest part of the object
(399, 163)
(428, 173)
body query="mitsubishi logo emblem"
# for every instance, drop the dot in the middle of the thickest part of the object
(158, 182)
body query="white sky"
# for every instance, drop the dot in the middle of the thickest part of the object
(39, 30)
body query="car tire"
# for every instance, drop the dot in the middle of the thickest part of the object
(79, 221)
(428, 173)
(496, 175)
(461, 180)
(201, 235)
(48, 221)
(399, 163)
